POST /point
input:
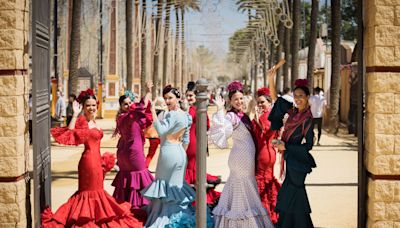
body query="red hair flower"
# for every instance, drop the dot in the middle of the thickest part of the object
(82, 94)
(235, 85)
(301, 82)
(263, 92)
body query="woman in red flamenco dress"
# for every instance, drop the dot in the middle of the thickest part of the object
(268, 185)
(190, 176)
(91, 206)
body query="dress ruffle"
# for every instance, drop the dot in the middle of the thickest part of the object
(90, 209)
(269, 192)
(128, 185)
(160, 189)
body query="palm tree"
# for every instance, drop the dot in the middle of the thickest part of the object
(295, 40)
(313, 40)
(166, 39)
(286, 47)
(281, 31)
(156, 53)
(177, 29)
(75, 47)
(335, 77)
(185, 6)
(129, 41)
(143, 51)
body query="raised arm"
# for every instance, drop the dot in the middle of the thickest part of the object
(271, 83)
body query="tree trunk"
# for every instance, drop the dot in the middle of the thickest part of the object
(295, 41)
(335, 77)
(75, 47)
(265, 72)
(278, 56)
(177, 31)
(156, 81)
(143, 51)
(313, 42)
(183, 53)
(129, 42)
(286, 44)
(166, 38)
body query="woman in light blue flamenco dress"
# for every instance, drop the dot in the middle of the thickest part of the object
(171, 197)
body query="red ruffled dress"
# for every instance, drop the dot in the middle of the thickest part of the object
(268, 185)
(90, 206)
(190, 176)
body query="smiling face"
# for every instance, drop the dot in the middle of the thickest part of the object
(171, 101)
(300, 98)
(237, 101)
(191, 97)
(126, 103)
(90, 108)
(263, 103)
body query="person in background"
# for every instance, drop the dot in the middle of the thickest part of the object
(61, 110)
(190, 176)
(288, 95)
(268, 185)
(70, 111)
(317, 104)
(151, 133)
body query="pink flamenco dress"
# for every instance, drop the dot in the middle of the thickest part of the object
(268, 185)
(190, 175)
(90, 206)
(133, 175)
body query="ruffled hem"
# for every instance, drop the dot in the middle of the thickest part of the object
(160, 189)
(128, 185)
(90, 209)
(261, 221)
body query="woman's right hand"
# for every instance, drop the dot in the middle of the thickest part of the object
(77, 108)
(219, 102)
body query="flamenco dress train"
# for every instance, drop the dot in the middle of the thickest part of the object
(90, 206)
(133, 175)
(239, 205)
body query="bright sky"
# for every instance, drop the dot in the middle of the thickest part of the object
(213, 26)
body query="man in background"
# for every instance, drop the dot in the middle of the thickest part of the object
(317, 104)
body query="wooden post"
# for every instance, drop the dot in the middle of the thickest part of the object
(54, 96)
(201, 152)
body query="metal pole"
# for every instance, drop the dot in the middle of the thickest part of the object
(201, 152)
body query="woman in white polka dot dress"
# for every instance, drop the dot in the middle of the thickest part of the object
(240, 204)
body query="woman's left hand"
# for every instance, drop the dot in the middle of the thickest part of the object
(281, 146)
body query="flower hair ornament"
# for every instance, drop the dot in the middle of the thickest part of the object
(171, 89)
(235, 86)
(131, 95)
(263, 92)
(301, 82)
(83, 94)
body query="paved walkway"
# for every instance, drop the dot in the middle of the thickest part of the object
(332, 186)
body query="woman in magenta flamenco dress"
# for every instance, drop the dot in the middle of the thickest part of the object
(268, 185)
(133, 175)
(190, 176)
(90, 206)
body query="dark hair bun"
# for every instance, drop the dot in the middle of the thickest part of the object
(191, 86)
